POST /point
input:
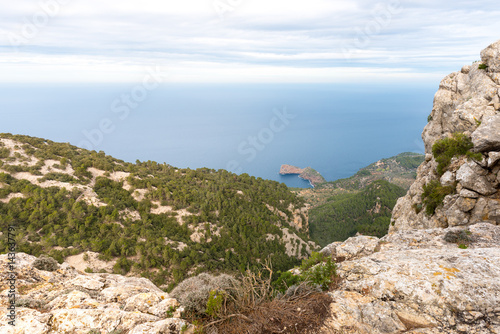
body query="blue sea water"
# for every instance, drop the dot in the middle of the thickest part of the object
(246, 128)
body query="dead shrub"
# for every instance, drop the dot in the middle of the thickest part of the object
(254, 308)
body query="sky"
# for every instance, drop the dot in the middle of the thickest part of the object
(248, 41)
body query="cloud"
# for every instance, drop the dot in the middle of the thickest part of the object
(278, 41)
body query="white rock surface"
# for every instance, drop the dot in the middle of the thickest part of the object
(419, 283)
(68, 301)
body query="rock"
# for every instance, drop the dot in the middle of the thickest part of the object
(74, 299)
(27, 321)
(466, 69)
(456, 215)
(487, 135)
(160, 327)
(493, 158)
(470, 179)
(79, 321)
(166, 309)
(468, 193)
(429, 285)
(465, 204)
(142, 302)
(76, 302)
(491, 57)
(352, 248)
(448, 179)
(87, 283)
(331, 249)
(419, 281)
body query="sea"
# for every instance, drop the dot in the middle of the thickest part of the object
(245, 128)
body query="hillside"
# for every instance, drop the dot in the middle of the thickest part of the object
(149, 219)
(362, 203)
(367, 212)
(400, 170)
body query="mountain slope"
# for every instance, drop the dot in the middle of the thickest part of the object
(147, 218)
(367, 212)
(361, 203)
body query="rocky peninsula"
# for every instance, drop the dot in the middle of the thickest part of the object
(308, 173)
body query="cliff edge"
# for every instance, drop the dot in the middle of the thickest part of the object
(437, 270)
(461, 188)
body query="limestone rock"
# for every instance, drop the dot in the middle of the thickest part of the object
(352, 248)
(493, 158)
(165, 307)
(466, 193)
(487, 135)
(68, 301)
(470, 179)
(80, 321)
(491, 57)
(27, 321)
(466, 102)
(448, 179)
(160, 327)
(142, 302)
(419, 281)
(465, 204)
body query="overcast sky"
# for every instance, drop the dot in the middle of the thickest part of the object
(242, 40)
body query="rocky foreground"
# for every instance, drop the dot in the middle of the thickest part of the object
(68, 301)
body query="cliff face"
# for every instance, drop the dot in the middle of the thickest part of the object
(437, 270)
(467, 102)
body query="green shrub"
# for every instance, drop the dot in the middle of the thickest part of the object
(61, 177)
(4, 153)
(285, 281)
(46, 263)
(315, 258)
(214, 303)
(434, 194)
(318, 270)
(445, 149)
(461, 237)
(482, 66)
(364, 172)
(429, 118)
(321, 274)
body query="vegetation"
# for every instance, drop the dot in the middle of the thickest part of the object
(367, 212)
(482, 66)
(229, 210)
(446, 149)
(45, 263)
(318, 270)
(434, 194)
(461, 237)
(234, 306)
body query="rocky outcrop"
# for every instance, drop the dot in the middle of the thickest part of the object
(437, 270)
(467, 102)
(309, 174)
(67, 301)
(414, 281)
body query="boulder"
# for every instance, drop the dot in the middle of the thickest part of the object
(487, 135)
(470, 179)
(491, 57)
